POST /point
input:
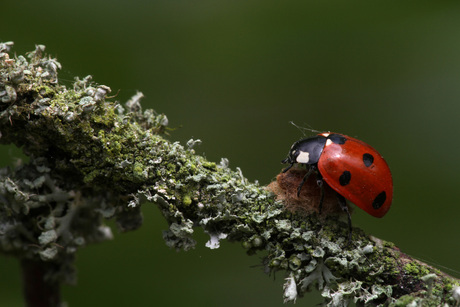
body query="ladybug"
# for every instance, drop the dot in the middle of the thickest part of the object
(352, 168)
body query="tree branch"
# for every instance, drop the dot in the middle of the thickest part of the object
(92, 159)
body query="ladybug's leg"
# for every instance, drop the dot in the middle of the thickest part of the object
(319, 182)
(287, 168)
(310, 170)
(343, 205)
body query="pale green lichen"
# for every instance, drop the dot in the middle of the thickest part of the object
(92, 159)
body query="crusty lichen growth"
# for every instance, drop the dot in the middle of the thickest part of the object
(92, 159)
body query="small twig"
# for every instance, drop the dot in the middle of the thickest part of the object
(38, 291)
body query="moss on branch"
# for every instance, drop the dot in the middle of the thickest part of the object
(92, 159)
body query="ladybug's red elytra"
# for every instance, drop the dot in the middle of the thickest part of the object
(352, 168)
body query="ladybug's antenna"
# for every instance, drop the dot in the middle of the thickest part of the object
(304, 129)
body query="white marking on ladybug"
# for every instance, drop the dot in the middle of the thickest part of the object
(328, 142)
(325, 134)
(303, 157)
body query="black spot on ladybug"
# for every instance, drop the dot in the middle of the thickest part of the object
(337, 139)
(345, 178)
(368, 159)
(379, 200)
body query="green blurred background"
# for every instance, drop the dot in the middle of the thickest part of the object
(234, 74)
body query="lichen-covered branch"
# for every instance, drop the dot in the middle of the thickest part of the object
(92, 159)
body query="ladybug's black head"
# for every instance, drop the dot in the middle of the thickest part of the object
(306, 151)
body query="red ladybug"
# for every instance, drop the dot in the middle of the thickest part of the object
(352, 168)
